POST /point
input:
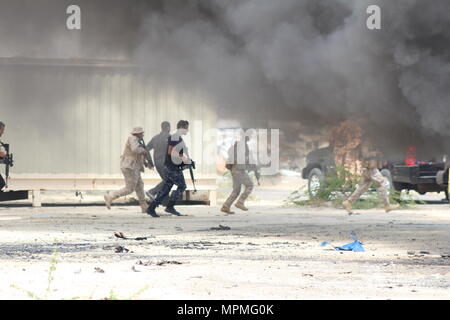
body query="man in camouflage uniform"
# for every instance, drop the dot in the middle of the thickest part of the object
(2, 154)
(371, 164)
(132, 165)
(239, 161)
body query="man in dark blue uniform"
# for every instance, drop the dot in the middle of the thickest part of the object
(176, 158)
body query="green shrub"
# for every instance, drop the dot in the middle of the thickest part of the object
(338, 186)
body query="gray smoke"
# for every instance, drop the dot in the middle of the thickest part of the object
(312, 59)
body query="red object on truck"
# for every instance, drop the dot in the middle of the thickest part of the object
(411, 157)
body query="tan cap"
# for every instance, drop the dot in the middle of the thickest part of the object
(137, 130)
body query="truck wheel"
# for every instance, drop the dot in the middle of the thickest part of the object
(386, 173)
(315, 180)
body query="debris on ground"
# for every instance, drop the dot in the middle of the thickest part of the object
(411, 252)
(121, 235)
(99, 270)
(120, 249)
(221, 227)
(160, 263)
(136, 268)
(355, 246)
(146, 264)
(424, 252)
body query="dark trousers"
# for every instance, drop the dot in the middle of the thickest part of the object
(172, 177)
(161, 169)
(2, 183)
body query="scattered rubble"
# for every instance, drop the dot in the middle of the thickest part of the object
(120, 249)
(99, 270)
(160, 263)
(120, 235)
(136, 268)
(221, 227)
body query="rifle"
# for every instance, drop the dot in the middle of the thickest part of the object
(8, 161)
(148, 162)
(257, 173)
(191, 168)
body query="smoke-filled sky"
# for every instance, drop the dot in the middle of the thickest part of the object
(309, 60)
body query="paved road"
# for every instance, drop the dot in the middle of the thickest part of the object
(271, 252)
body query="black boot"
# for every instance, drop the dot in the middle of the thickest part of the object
(171, 209)
(151, 210)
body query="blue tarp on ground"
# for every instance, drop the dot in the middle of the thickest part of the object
(355, 246)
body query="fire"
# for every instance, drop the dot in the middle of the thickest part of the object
(346, 140)
(411, 157)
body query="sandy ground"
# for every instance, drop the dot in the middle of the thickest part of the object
(270, 252)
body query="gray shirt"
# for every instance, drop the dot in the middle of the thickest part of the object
(159, 145)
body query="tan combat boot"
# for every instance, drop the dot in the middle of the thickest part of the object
(241, 206)
(108, 201)
(144, 207)
(391, 207)
(347, 206)
(226, 210)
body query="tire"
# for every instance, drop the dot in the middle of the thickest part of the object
(315, 180)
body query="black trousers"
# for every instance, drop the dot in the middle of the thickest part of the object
(2, 183)
(161, 169)
(172, 177)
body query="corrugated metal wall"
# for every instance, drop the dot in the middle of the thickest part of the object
(75, 120)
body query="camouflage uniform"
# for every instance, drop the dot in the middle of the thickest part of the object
(132, 164)
(370, 176)
(239, 175)
(371, 165)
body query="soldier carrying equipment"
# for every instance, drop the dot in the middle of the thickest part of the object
(148, 162)
(177, 159)
(8, 161)
(132, 165)
(239, 162)
(4, 157)
(371, 163)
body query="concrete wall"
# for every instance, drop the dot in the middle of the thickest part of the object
(70, 121)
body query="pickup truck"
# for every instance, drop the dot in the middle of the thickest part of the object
(421, 176)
